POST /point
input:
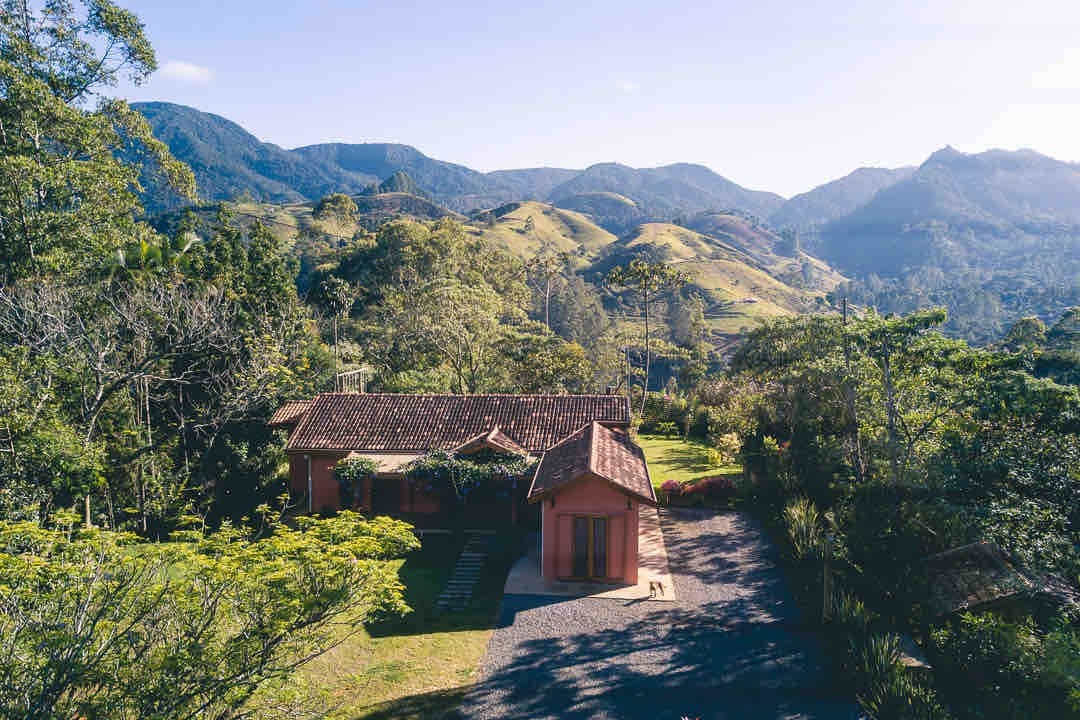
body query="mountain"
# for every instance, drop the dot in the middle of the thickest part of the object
(612, 211)
(993, 237)
(229, 161)
(668, 191)
(452, 185)
(837, 198)
(988, 210)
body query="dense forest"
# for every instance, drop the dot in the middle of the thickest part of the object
(150, 563)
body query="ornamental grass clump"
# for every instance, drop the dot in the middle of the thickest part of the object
(804, 529)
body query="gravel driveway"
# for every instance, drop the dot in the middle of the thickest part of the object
(731, 646)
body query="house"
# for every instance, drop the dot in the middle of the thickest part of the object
(586, 475)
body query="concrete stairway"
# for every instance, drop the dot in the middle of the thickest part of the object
(459, 588)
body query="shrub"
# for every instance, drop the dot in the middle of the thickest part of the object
(671, 488)
(728, 445)
(804, 529)
(885, 689)
(667, 428)
(1000, 668)
(349, 472)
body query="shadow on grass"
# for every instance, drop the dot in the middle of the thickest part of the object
(425, 573)
(435, 705)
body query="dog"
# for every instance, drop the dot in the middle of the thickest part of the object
(655, 586)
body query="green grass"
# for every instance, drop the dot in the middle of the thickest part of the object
(418, 666)
(678, 459)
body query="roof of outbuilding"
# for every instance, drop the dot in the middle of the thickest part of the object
(420, 423)
(982, 574)
(290, 413)
(597, 451)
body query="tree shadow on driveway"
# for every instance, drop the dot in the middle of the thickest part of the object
(732, 646)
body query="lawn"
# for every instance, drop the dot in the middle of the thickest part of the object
(678, 459)
(418, 666)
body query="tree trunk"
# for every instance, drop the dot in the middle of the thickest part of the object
(890, 413)
(645, 381)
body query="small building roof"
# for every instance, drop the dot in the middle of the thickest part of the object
(495, 439)
(981, 575)
(291, 413)
(384, 422)
(597, 451)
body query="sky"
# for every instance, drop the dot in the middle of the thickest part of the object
(779, 96)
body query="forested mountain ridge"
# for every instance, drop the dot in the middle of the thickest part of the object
(837, 198)
(228, 160)
(993, 236)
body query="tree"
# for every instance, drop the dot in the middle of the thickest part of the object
(94, 624)
(338, 296)
(647, 279)
(66, 191)
(542, 270)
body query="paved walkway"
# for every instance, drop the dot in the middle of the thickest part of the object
(459, 588)
(525, 577)
(731, 647)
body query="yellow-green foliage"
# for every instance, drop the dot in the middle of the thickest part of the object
(96, 623)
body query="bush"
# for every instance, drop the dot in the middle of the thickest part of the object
(728, 446)
(667, 428)
(804, 529)
(671, 488)
(885, 689)
(997, 668)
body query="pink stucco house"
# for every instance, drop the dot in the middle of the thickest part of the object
(587, 476)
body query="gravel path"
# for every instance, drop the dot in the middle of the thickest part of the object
(731, 647)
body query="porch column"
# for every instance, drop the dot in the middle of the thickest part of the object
(365, 494)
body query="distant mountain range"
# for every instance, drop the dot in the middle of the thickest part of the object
(228, 161)
(996, 233)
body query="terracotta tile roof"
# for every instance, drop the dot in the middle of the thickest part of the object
(982, 574)
(420, 423)
(494, 439)
(290, 413)
(594, 450)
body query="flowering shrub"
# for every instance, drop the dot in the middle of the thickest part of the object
(671, 488)
(696, 492)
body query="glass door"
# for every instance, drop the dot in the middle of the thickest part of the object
(590, 547)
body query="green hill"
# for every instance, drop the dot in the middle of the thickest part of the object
(562, 230)
(738, 289)
(612, 211)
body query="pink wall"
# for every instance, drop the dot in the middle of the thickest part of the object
(325, 494)
(591, 496)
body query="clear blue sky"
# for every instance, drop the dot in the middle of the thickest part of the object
(773, 95)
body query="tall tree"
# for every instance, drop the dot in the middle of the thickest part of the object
(647, 279)
(66, 192)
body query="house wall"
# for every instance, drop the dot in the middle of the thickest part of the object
(590, 496)
(325, 494)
